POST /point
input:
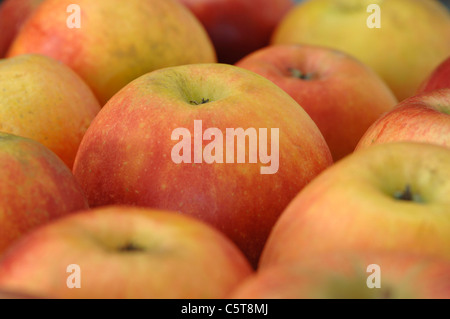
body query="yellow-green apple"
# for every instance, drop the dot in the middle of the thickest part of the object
(342, 95)
(402, 40)
(391, 197)
(213, 141)
(351, 276)
(13, 14)
(43, 99)
(124, 252)
(111, 42)
(35, 187)
(422, 118)
(438, 79)
(238, 27)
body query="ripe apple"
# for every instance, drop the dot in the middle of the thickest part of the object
(45, 100)
(389, 197)
(438, 79)
(35, 188)
(351, 276)
(124, 252)
(117, 41)
(13, 14)
(412, 38)
(330, 85)
(131, 153)
(238, 27)
(422, 118)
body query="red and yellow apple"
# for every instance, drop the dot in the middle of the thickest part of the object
(412, 39)
(124, 252)
(342, 95)
(247, 149)
(13, 14)
(117, 41)
(45, 100)
(438, 79)
(351, 276)
(35, 187)
(390, 198)
(421, 118)
(238, 27)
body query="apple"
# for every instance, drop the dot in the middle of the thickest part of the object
(13, 14)
(45, 100)
(438, 79)
(213, 141)
(342, 95)
(351, 276)
(422, 118)
(110, 46)
(124, 252)
(390, 198)
(411, 39)
(36, 187)
(238, 27)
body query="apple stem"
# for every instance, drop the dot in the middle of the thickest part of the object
(129, 247)
(406, 195)
(197, 103)
(300, 75)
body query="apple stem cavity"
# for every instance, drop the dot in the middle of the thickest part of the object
(203, 101)
(296, 73)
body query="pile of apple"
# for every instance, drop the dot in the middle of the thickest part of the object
(224, 149)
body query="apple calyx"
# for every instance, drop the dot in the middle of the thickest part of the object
(407, 195)
(296, 73)
(203, 101)
(130, 247)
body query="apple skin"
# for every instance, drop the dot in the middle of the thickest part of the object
(55, 112)
(113, 47)
(238, 27)
(36, 187)
(421, 118)
(412, 40)
(336, 97)
(344, 276)
(125, 253)
(13, 14)
(125, 156)
(355, 206)
(438, 79)
(15, 295)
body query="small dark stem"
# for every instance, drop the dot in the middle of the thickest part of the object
(203, 101)
(129, 247)
(300, 75)
(406, 195)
